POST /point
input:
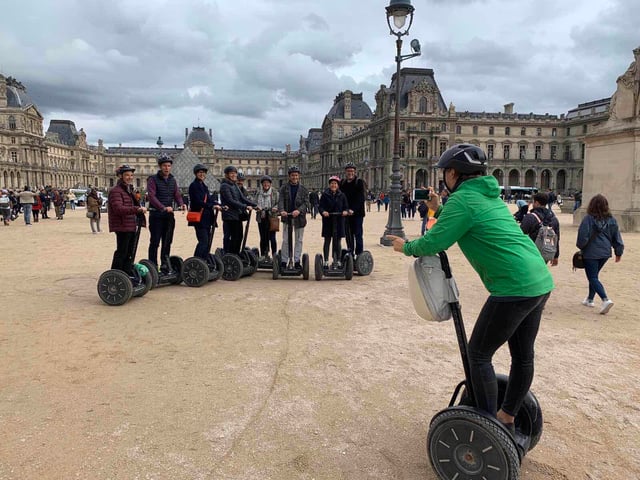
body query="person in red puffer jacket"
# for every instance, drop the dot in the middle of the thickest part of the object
(124, 213)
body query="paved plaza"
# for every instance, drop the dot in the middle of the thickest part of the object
(286, 379)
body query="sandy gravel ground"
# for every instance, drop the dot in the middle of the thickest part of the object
(287, 379)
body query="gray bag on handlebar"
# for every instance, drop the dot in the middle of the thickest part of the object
(430, 291)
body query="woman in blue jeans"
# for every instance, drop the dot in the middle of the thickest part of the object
(597, 235)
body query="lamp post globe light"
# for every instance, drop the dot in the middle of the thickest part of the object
(399, 14)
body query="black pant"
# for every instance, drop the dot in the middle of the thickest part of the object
(266, 237)
(232, 241)
(354, 231)
(516, 322)
(161, 227)
(123, 256)
(202, 248)
(336, 250)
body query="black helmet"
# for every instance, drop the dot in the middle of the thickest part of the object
(229, 169)
(293, 169)
(266, 178)
(464, 158)
(198, 167)
(240, 176)
(124, 168)
(349, 165)
(164, 158)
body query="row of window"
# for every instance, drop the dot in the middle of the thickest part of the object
(507, 130)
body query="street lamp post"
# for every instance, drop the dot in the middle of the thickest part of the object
(397, 13)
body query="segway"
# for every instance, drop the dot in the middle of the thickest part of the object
(289, 269)
(239, 265)
(170, 272)
(363, 263)
(464, 441)
(197, 271)
(338, 268)
(116, 287)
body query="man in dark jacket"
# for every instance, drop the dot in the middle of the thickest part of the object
(124, 211)
(162, 190)
(538, 216)
(355, 189)
(293, 203)
(236, 205)
(314, 202)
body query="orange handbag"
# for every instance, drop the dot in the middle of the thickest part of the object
(195, 217)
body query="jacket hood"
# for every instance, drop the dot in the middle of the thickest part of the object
(486, 185)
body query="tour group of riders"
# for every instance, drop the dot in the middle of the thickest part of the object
(344, 197)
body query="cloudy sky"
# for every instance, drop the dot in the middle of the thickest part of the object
(260, 73)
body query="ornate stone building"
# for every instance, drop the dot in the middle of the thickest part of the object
(537, 150)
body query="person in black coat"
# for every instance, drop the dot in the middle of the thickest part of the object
(236, 205)
(333, 201)
(201, 199)
(539, 214)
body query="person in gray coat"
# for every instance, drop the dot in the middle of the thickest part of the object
(293, 205)
(597, 235)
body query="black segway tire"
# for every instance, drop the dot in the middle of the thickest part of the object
(305, 266)
(215, 260)
(319, 271)
(153, 271)
(364, 263)
(348, 267)
(115, 287)
(463, 443)
(275, 270)
(251, 259)
(176, 266)
(232, 267)
(195, 272)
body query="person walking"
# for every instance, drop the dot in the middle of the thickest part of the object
(93, 208)
(597, 235)
(314, 201)
(58, 203)
(26, 198)
(539, 216)
(36, 208)
(163, 191)
(333, 201)
(267, 208)
(509, 265)
(5, 206)
(124, 214)
(293, 202)
(201, 200)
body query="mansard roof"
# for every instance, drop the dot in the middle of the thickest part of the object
(359, 108)
(198, 134)
(63, 131)
(17, 97)
(411, 78)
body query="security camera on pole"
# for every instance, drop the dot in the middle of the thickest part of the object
(399, 10)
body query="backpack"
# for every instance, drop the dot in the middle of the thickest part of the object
(546, 240)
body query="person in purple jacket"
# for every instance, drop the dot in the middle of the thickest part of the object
(162, 191)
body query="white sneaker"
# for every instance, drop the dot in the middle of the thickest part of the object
(588, 303)
(606, 306)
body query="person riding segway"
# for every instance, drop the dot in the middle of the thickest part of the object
(204, 266)
(355, 189)
(163, 191)
(333, 208)
(126, 219)
(267, 218)
(237, 259)
(475, 438)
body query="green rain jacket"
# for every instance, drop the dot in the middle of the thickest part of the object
(506, 259)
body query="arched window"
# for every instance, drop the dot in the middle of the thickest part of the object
(12, 122)
(423, 127)
(443, 127)
(523, 131)
(422, 148)
(507, 131)
(458, 129)
(475, 130)
(423, 105)
(491, 130)
(249, 171)
(340, 132)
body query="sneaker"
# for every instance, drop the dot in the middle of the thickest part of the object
(606, 306)
(587, 302)
(297, 266)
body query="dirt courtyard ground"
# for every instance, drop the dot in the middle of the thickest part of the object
(287, 379)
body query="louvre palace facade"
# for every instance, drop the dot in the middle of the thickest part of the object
(531, 149)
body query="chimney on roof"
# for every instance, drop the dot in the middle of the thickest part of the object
(508, 108)
(186, 132)
(210, 134)
(347, 105)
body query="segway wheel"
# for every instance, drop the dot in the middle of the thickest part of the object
(232, 267)
(195, 272)
(348, 267)
(176, 265)
(462, 443)
(529, 421)
(115, 287)
(318, 267)
(275, 270)
(364, 263)
(305, 266)
(153, 272)
(216, 262)
(251, 259)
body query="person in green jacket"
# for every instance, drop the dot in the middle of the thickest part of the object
(509, 265)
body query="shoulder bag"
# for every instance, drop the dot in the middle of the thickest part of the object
(578, 260)
(196, 216)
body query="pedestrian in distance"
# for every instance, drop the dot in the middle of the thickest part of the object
(539, 216)
(94, 202)
(509, 265)
(597, 235)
